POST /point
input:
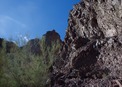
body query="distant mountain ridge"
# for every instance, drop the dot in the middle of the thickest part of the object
(33, 46)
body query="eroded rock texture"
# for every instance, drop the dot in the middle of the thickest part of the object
(91, 55)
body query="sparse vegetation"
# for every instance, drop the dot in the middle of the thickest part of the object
(24, 69)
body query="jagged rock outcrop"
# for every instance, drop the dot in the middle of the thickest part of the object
(52, 37)
(91, 55)
(9, 46)
(1, 41)
(34, 46)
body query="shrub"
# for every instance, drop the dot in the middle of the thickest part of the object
(24, 69)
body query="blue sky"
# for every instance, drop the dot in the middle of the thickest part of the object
(33, 17)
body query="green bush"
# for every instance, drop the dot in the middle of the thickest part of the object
(24, 69)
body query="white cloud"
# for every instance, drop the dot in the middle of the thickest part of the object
(20, 40)
(26, 38)
(4, 20)
(9, 25)
(23, 37)
(15, 21)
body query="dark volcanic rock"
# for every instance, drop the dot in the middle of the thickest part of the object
(1, 42)
(9, 46)
(52, 36)
(91, 53)
(34, 46)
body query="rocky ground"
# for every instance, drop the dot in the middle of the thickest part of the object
(91, 55)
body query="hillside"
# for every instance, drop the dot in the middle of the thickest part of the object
(28, 65)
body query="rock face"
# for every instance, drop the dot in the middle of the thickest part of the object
(9, 46)
(1, 41)
(34, 45)
(91, 55)
(52, 36)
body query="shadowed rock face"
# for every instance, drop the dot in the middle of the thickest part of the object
(52, 36)
(91, 53)
(1, 41)
(34, 45)
(9, 46)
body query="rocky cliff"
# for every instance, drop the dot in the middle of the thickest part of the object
(34, 45)
(9, 46)
(91, 55)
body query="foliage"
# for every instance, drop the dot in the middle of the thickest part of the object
(24, 69)
(3, 62)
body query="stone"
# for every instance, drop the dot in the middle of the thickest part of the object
(92, 46)
(34, 45)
